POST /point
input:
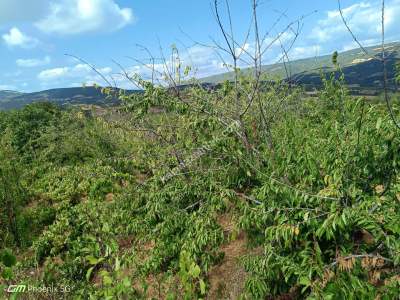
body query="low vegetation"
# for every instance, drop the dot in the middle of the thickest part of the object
(196, 194)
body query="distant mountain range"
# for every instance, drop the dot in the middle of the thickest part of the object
(63, 96)
(361, 72)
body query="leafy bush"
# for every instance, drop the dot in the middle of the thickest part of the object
(28, 123)
(12, 193)
(137, 206)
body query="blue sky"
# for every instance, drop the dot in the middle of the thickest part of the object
(35, 35)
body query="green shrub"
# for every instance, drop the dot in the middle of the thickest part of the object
(311, 185)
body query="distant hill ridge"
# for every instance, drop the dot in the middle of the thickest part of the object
(62, 96)
(361, 71)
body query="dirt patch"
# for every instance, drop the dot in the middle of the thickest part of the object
(84, 198)
(141, 178)
(227, 279)
(124, 183)
(109, 197)
(152, 287)
(126, 243)
(143, 249)
(227, 223)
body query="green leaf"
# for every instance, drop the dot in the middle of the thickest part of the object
(7, 274)
(170, 296)
(117, 264)
(202, 287)
(195, 271)
(107, 280)
(126, 282)
(305, 281)
(93, 260)
(89, 273)
(378, 123)
(8, 259)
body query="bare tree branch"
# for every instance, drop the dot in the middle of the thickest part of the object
(92, 67)
(385, 73)
(349, 29)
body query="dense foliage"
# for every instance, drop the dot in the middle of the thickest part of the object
(172, 195)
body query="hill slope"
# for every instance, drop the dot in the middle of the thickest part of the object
(9, 94)
(63, 96)
(359, 69)
(361, 72)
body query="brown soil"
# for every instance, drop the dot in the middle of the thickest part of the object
(227, 279)
(109, 197)
(126, 243)
(141, 178)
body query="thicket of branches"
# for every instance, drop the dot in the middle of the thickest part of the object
(137, 200)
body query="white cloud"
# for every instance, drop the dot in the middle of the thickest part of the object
(77, 16)
(271, 48)
(365, 43)
(22, 10)
(51, 74)
(79, 73)
(203, 62)
(16, 38)
(304, 52)
(33, 62)
(363, 18)
(5, 87)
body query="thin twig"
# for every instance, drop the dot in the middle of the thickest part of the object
(92, 67)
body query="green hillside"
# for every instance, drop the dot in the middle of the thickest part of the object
(359, 69)
(62, 96)
(9, 94)
(6, 96)
(361, 72)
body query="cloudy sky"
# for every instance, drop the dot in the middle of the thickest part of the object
(36, 35)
